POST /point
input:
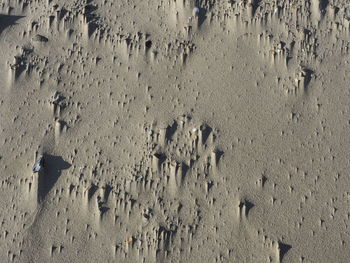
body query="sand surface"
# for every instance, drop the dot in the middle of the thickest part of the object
(174, 131)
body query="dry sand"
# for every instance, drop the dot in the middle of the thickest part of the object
(174, 131)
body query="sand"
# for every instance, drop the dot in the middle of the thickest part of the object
(174, 131)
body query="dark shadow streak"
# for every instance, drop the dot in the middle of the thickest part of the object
(53, 166)
(284, 248)
(7, 21)
(201, 16)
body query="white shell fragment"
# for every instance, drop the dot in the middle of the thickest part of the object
(39, 164)
(195, 11)
(56, 97)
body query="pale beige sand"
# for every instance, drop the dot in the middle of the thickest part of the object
(175, 134)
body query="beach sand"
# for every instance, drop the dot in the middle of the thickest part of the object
(174, 131)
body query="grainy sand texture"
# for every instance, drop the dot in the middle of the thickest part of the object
(174, 131)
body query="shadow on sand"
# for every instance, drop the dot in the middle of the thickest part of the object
(53, 166)
(7, 21)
